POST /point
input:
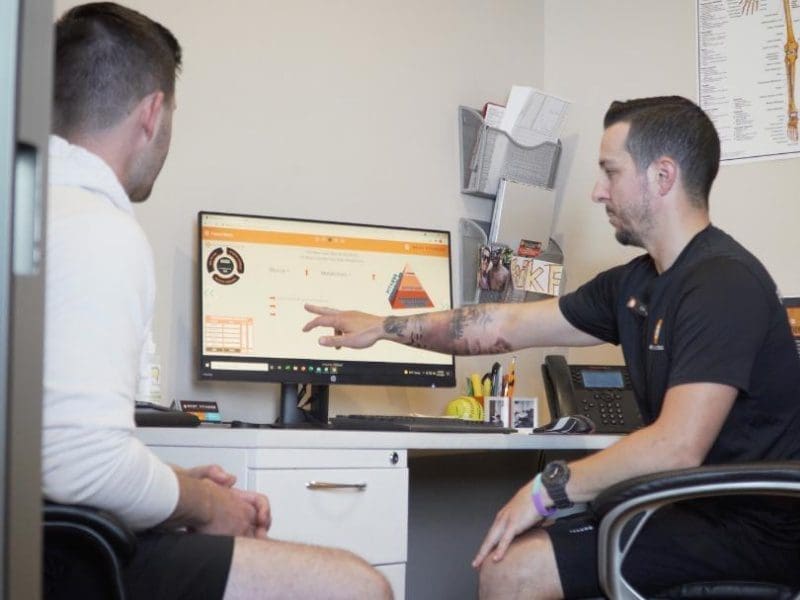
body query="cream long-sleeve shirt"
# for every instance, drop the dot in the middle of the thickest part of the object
(99, 303)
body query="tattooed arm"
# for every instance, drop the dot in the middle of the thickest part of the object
(478, 329)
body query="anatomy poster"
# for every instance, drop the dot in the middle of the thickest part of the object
(747, 50)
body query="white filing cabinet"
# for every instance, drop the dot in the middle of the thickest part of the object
(347, 498)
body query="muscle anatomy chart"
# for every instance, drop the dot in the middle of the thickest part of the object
(747, 53)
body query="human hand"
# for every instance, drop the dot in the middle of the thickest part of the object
(516, 516)
(351, 328)
(214, 473)
(235, 512)
(263, 514)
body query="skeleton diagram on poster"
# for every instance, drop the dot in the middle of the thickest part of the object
(747, 53)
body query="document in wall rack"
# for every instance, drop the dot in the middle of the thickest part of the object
(531, 117)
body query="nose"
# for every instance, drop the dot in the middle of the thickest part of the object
(599, 192)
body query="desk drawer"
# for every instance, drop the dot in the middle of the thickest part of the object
(368, 515)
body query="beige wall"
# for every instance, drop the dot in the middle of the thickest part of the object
(346, 110)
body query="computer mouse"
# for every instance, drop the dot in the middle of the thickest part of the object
(244, 424)
(568, 424)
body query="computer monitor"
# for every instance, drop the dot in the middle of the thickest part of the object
(258, 272)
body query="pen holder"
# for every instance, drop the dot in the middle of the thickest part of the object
(519, 413)
(495, 410)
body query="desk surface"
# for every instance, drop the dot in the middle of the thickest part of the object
(223, 437)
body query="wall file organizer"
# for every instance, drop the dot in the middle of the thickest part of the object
(489, 154)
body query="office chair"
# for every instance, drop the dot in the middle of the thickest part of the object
(625, 507)
(84, 551)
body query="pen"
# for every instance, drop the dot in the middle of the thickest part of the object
(511, 377)
(495, 380)
(498, 384)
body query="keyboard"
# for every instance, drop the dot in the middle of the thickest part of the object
(417, 424)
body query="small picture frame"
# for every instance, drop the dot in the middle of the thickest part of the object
(495, 410)
(524, 414)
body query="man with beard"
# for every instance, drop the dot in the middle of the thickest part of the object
(712, 363)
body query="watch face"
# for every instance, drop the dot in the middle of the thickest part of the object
(557, 472)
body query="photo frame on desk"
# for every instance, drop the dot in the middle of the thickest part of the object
(495, 410)
(524, 414)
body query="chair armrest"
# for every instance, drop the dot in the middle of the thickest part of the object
(624, 508)
(103, 524)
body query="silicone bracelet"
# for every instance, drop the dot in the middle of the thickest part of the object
(536, 496)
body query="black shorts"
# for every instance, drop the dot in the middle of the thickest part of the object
(680, 543)
(178, 565)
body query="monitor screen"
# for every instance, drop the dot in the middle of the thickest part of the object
(257, 273)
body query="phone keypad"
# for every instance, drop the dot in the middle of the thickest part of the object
(605, 403)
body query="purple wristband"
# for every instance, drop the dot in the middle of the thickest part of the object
(536, 496)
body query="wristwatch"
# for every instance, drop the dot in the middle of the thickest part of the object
(554, 479)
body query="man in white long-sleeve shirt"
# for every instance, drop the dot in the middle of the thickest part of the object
(114, 98)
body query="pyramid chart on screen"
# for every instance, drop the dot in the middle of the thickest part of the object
(408, 291)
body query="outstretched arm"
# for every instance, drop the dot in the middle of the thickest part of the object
(478, 329)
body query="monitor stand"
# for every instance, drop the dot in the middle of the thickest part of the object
(292, 417)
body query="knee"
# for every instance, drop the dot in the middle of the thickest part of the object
(524, 572)
(378, 586)
(495, 578)
(368, 582)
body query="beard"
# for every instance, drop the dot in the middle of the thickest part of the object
(628, 238)
(636, 221)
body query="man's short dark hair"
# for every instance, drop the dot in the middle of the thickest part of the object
(676, 127)
(108, 57)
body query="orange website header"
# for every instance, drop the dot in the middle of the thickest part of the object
(282, 238)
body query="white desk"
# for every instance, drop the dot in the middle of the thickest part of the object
(369, 513)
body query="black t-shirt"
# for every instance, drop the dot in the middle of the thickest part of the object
(714, 316)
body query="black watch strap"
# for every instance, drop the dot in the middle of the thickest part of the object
(554, 479)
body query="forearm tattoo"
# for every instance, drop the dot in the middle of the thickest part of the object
(468, 330)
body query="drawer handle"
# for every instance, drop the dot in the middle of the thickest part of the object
(328, 485)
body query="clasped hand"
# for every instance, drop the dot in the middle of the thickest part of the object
(233, 511)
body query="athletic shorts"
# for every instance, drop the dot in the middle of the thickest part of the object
(178, 565)
(681, 543)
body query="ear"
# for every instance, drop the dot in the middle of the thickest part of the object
(665, 173)
(149, 112)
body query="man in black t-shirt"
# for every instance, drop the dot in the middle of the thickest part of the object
(711, 358)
